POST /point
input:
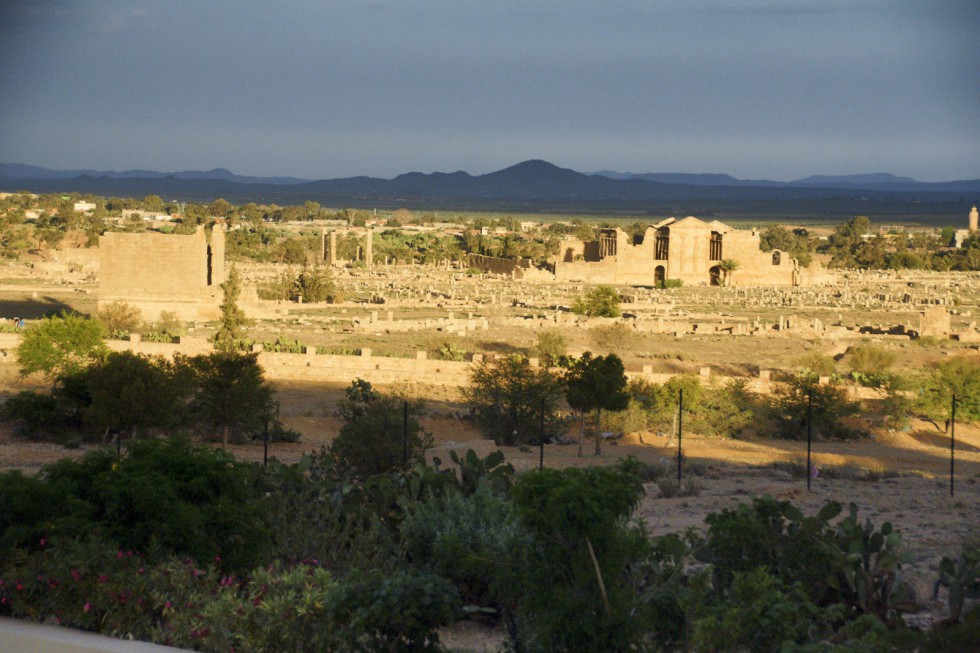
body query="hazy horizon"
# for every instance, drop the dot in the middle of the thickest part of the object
(757, 89)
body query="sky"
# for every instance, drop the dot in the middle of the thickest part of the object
(759, 89)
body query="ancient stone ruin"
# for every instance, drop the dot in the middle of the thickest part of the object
(157, 272)
(689, 250)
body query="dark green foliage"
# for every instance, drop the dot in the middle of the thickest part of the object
(233, 320)
(231, 397)
(776, 536)
(163, 496)
(380, 434)
(132, 393)
(872, 579)
(575, 595)
(473, 541)
(507, 395)
(852, 564)
(790, 404)
(961, 577)
(761, 614)
(601, 301)
(36, 415)
(397, 613)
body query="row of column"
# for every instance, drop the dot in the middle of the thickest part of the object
(328, 248)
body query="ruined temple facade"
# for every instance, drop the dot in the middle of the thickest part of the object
(156, 272)
(690, 250)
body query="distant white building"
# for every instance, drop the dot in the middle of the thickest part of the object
(84, 207)
(962, 234)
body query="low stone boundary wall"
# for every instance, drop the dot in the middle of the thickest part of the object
(331, 368)
(26, 637)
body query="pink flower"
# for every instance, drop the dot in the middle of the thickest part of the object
(103, 578)
(75, 574)
(42, 541)
(167, 605)
(86, 607)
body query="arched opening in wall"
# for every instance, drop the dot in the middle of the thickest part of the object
(659, 276)
(714, 275)
(209, 265)
(714, 251)
(661, 244)
(777, 257)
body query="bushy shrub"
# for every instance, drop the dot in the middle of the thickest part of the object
(573, 590)
(473, 541)
(36, 415)
(164, 496)
(380, 433)
(601, 301)
(761, 614)
(119, 319)
(790, 407)
(507, 395)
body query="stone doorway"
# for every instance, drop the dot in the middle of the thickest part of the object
(714, 273)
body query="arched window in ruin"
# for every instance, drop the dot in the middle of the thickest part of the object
(659, 276)
(714, 275)
(777, 257)
(661, 244)
(714, 251)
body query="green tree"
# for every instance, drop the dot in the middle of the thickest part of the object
(230, 395)
(958, 376)
(507, 396)
(61, 345)
(133, 393)
(233, 319)
(728, 266)
(381, 433)
(602, 301)
(596, 384)
(314, 284)
(830, 403)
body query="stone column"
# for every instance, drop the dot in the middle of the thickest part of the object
(369, 249)
(332, 254)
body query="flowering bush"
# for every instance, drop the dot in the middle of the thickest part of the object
(89, 585)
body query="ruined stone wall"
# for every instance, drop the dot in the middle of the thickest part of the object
(689, 258)
(496, 265)
(156, 272)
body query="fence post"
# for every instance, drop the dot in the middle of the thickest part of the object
(809, 439)
(952, 446)
(680, 430)
(541, 461)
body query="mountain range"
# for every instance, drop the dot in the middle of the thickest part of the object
(531, 185)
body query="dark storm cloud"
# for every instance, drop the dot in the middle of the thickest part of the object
(322, 89)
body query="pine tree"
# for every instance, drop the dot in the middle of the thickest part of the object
(233, 318)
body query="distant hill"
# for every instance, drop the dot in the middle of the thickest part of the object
(530, 185)
(21, 171)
